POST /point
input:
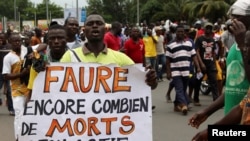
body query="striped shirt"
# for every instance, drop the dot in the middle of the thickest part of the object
(180, 55)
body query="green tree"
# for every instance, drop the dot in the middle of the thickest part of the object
(171, 10)
(94, 6)
(149, 10)
(230, 2)
(55, 10)
(210, 9)
(155, 10)
(7, 8)
(118, 10)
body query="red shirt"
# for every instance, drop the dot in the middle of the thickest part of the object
(113, 42)
(135, 51)
(200, 32)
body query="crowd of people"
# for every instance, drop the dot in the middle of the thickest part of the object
(186, 54)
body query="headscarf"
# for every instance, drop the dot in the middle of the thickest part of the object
(240, 7)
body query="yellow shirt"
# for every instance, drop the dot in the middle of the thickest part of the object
(12, 65)
(33, 75)
(107, 56)
(150, 46)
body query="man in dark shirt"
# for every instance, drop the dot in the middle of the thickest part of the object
(205, 47)
(4, 49)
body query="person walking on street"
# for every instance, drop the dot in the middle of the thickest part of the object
(134, 47)
(112, 38)
(5, 48)
(13, 70)
(161, 58)
(179, 55)
(205, 48)
(237, 83)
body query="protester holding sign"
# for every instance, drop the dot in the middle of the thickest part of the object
(103, 98)
(96, 51)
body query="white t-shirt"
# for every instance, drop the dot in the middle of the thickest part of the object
(70, 44)
(73, 44)
(35, 46)
(11, 58)
(160, 46)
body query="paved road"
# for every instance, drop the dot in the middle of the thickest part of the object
(167, 124)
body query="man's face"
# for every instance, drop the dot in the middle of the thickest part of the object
(162, 23)
(119, 30)
(57, 39)
(208, 29)
(247, 39)
(2, 39)
(135, 32)
(180, 34)
(94, 28)
(16, 42)
(149, 32)
(72, 26)
(198, 26)
(244, 19)
(158, 32)
(247, 42)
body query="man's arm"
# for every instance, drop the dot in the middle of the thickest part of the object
(216, 105)
(155, 39)
(41, 47)
(197, 49)
(233, 117)
(199, 117)
(239, 31)
(196, 62)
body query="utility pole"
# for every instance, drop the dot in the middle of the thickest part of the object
(19, 21)
(35, 19)
(138, 13)
(47, 11)
(15, 10)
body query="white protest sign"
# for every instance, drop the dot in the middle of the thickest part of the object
(88, 102)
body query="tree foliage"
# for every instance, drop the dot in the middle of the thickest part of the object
(28, 10)
(125, 11)
(155, 10)
(7, 8)
(55, 10)
(210, 9)
(118, 8)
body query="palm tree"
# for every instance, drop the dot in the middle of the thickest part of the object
(210, 9)
(171, 10)
(230, 2)
(149, 9)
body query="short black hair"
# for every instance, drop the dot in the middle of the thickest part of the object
(94, 13)
(67, 19)
(53, 23)
(56, 26)
(115, 25)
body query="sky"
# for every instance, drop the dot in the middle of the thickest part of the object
(70, 3)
